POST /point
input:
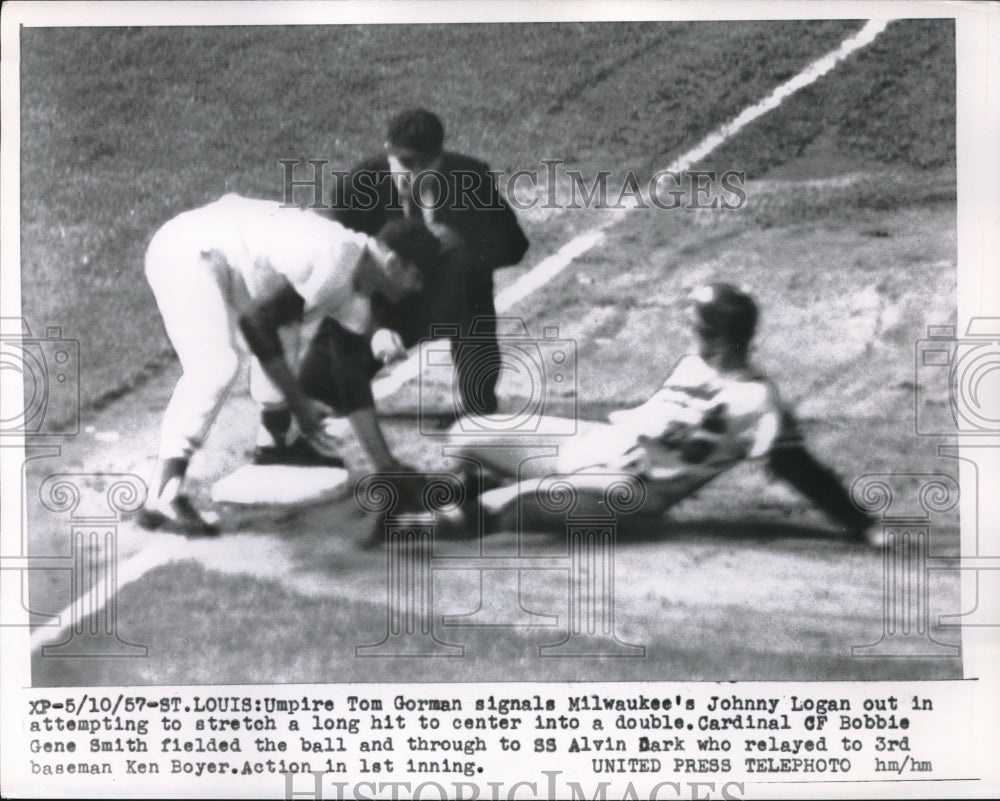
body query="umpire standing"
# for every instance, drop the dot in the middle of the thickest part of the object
(459, 201)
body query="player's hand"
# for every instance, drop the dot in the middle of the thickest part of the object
(387, 346)
(311, 415)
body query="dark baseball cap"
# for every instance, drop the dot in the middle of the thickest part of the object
(417, 130)
(723, 310)
(412, 240)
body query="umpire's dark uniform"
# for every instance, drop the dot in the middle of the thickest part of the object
(459, 293)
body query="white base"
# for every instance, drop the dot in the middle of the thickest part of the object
(281, 484)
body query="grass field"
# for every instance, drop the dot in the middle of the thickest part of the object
(105, 159)
(847, 239)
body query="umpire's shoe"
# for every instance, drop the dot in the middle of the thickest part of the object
(299, 454)
(177, 516)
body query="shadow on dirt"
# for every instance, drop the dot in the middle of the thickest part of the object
(637, 531)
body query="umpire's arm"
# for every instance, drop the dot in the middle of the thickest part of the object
(491, 228)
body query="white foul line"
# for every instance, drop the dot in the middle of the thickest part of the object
(810, 74)
(536, 277)
(102, 592)
(550, 267)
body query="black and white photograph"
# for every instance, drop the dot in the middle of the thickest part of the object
(500, 400)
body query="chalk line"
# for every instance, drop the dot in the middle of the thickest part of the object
(539, 275)
(550, 267)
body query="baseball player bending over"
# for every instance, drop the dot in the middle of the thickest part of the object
(711, 412)
(251, 265)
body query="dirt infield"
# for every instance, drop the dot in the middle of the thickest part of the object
(840, 352)
(848, 244)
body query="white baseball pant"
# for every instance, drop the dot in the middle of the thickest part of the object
(200, 298)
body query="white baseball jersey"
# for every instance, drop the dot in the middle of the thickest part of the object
(699, 423)
(206, 267)
(253, 244)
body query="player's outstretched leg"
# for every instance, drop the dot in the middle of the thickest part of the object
(821, 486)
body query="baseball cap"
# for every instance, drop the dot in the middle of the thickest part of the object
(723, 309)
(417, 130)
(412, 240)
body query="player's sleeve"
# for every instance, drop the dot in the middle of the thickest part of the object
(261, 322)
(337, 369)
(677, 378)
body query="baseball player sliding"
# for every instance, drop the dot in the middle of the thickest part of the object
(243, 266)
(711, 412)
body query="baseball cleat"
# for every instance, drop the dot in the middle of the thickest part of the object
(873, 535)
(178, 517)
